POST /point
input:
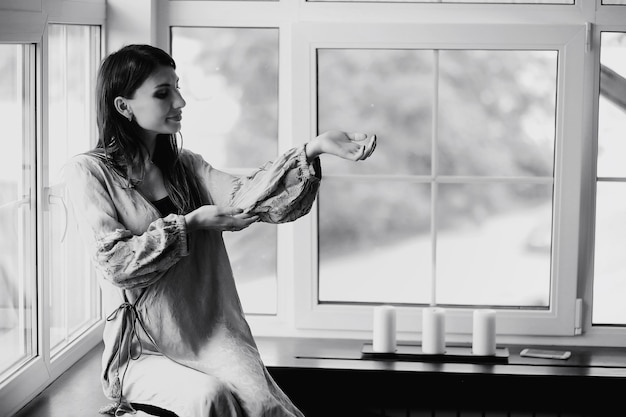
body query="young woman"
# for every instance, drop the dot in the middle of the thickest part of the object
(152, 216)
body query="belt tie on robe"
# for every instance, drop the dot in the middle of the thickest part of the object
(131, 318)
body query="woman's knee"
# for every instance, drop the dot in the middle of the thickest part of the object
(216, 398)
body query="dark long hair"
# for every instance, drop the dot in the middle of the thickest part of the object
(120, 75)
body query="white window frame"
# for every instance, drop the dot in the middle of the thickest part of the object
(26, 23)
(569, 42)
(613, 18)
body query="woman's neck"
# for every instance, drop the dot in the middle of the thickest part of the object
(149, 142)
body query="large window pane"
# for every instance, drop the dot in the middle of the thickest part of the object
(18, 329)
(229, 78)
(493, 244)
(610, 242)
(457, 203)
(388, 92)
(377, 248)
(73, 57)
(497, 112)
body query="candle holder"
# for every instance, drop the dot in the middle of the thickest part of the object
(452, 354)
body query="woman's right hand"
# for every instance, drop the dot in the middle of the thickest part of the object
(219, 218)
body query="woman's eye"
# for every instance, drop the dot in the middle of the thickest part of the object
(161, 94)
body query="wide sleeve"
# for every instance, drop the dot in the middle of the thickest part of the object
(126, 259)
(279, 191)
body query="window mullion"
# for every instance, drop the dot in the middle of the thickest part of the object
(434, 176)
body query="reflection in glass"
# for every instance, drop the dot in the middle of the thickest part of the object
(18, 330)
(493, 244)
(72, 61)
(229, 79)
(386, 92)
(500, 107)
(376, 247)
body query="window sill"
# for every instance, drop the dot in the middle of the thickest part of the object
(335, 368)
(294, 352)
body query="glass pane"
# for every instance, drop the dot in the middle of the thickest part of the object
(497, 112)
(614, 2)
(609, 283)
(229, 79)
(18, 329)
(252, 254)
(612, 106)
(387, 92)
(374, 242)
(73, 58)
(494, 244)
(609, 267)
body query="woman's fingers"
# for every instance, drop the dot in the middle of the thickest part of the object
(368, 148)
(240, 221)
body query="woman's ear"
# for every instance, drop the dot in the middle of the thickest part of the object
(123, 108)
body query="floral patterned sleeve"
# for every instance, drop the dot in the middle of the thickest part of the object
(131, 255)
(280, 191)
(288, 195)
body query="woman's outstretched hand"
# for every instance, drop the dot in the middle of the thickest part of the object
(350, 146)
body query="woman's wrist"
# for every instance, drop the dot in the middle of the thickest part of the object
(190, 220)
(312, 149)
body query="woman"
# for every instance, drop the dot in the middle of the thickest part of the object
(152, 215)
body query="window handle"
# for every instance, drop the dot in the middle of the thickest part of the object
(16, 204)
(52, 198)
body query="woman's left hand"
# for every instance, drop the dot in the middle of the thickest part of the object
(346, 145)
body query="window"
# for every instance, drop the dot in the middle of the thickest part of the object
(229, 79)
(480, 191)
(50, 311)
(73, 58)
(18, 284)
(609, 267)
(461, 185)
(457, 206)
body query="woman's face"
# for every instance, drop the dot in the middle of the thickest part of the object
(157, 104)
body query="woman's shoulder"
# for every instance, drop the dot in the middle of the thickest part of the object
(92, 163)
(188, 153)
(86, 160)
(192, 159)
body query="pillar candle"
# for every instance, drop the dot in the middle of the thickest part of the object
(384, 337)
(434, 330)
(484, 332)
